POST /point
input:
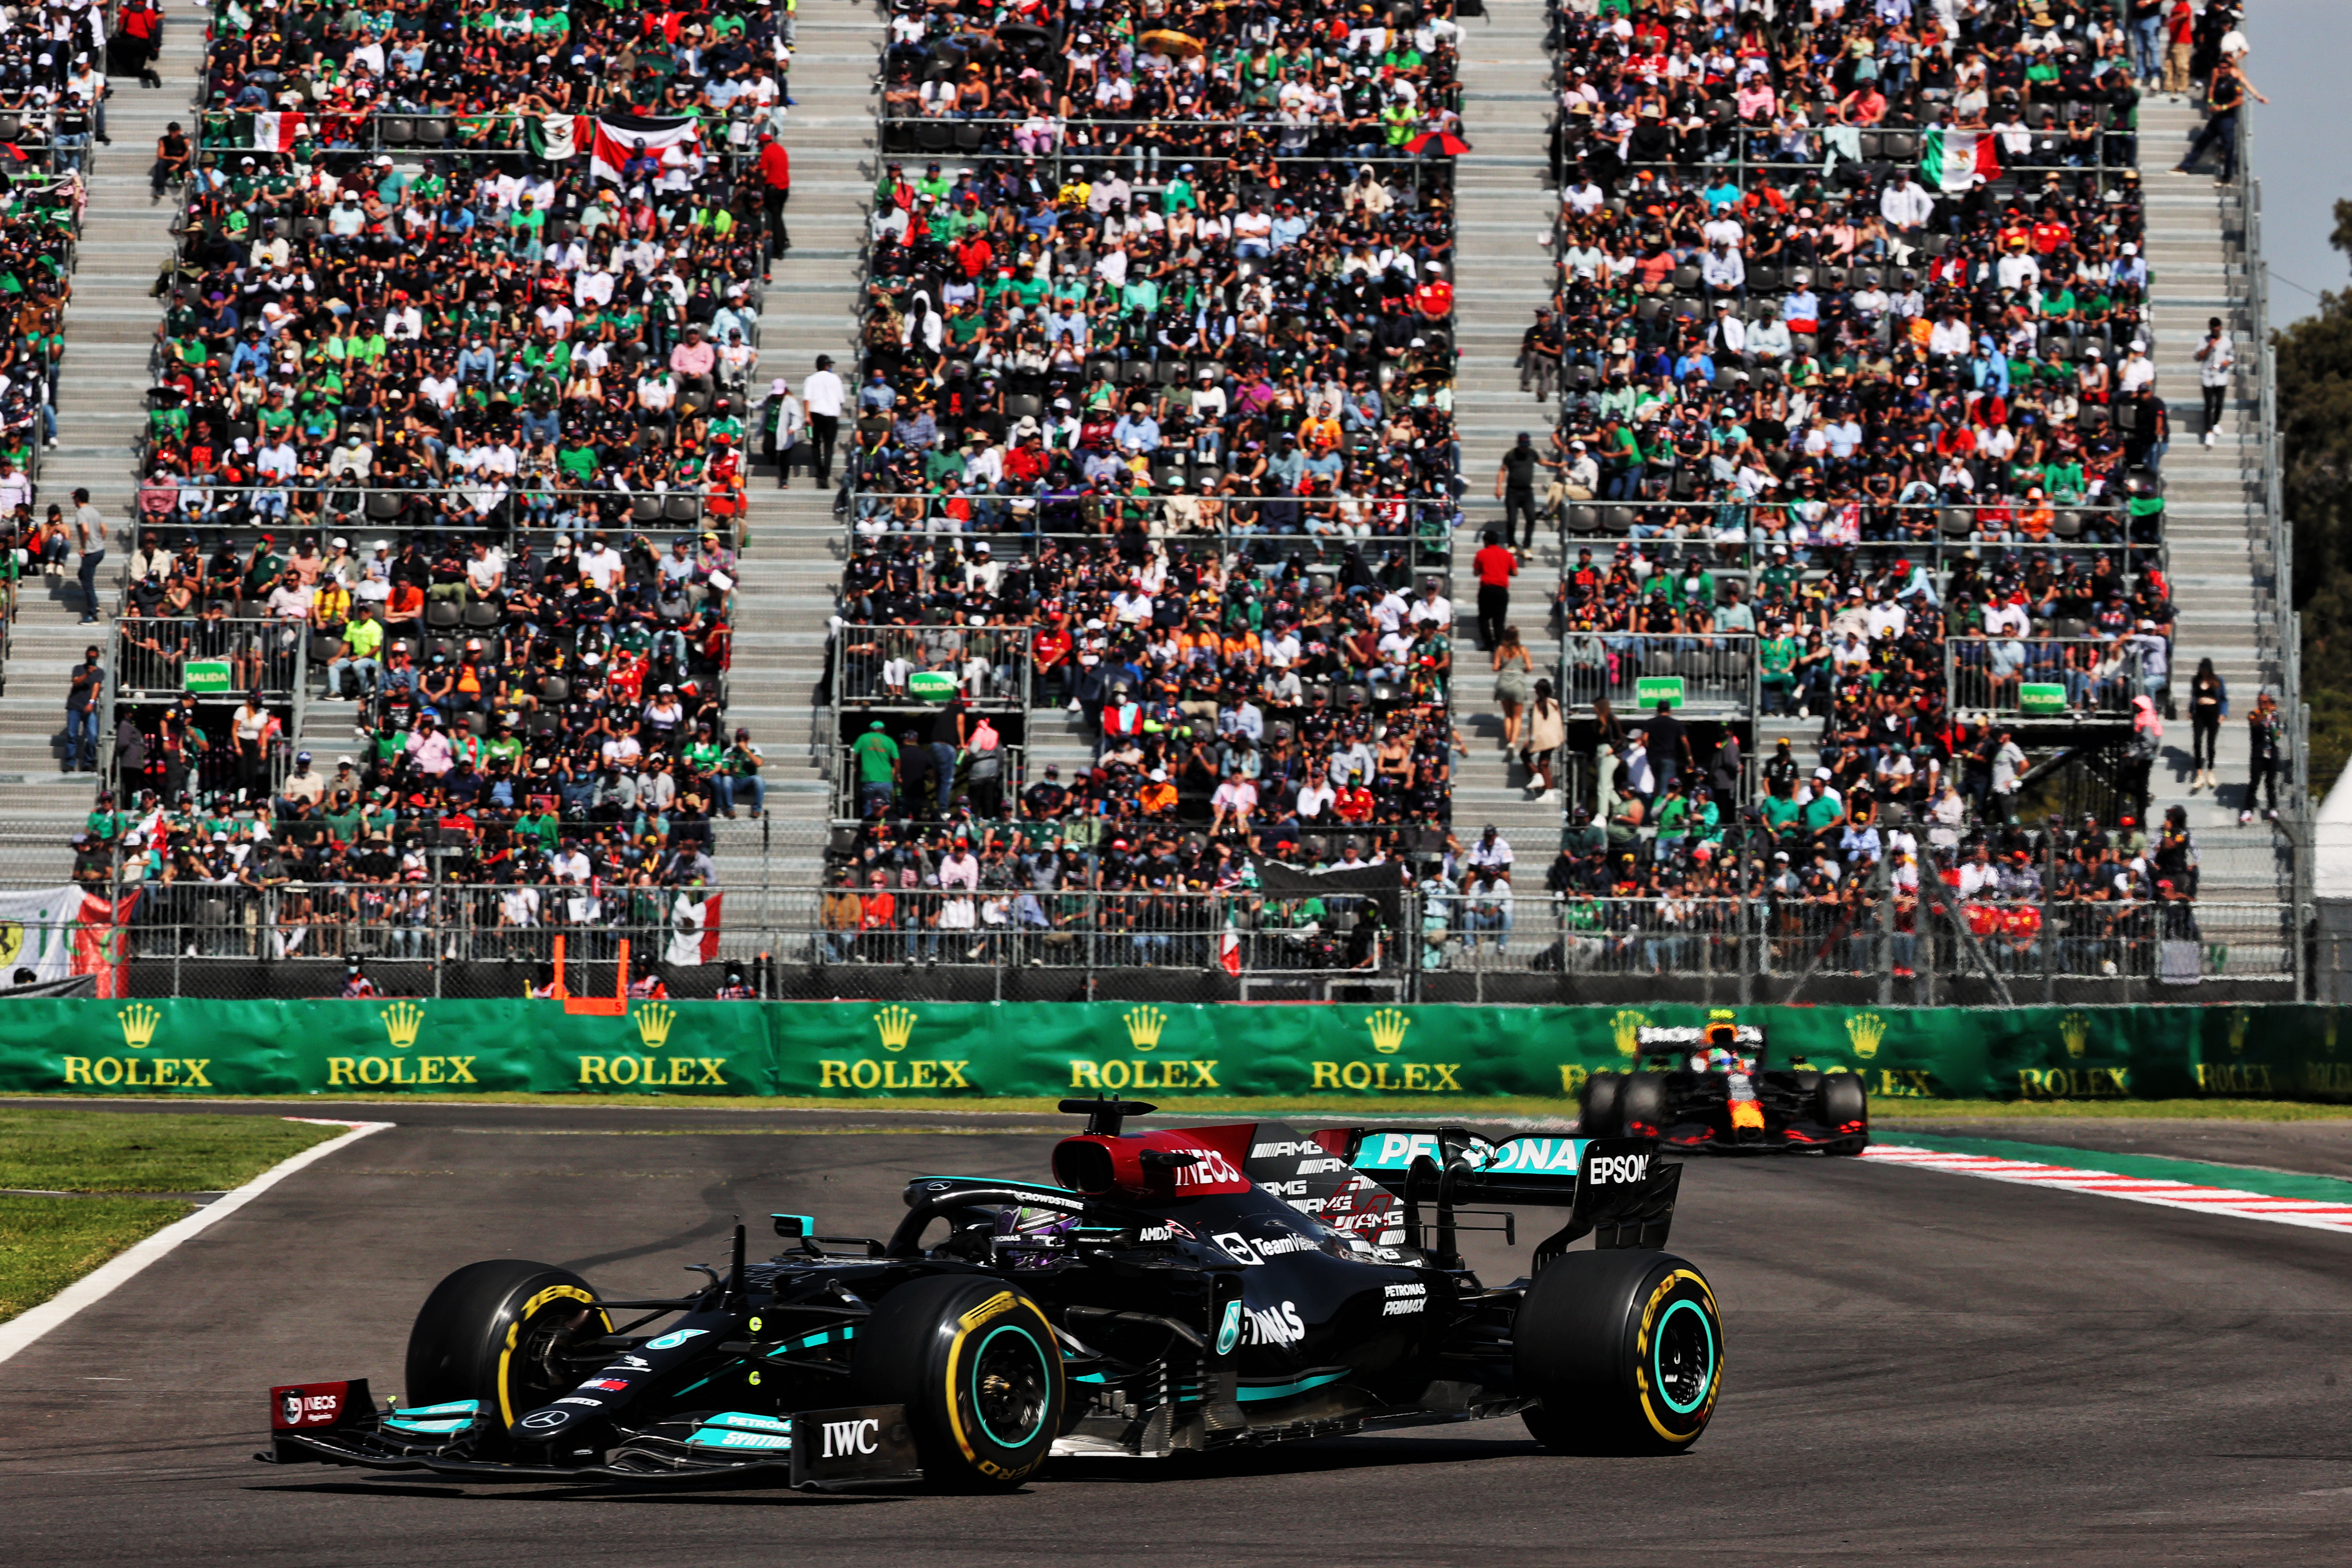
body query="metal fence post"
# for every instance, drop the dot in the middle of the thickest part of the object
(1882, 882)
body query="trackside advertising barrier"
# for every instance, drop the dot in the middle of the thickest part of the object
(868, 1050)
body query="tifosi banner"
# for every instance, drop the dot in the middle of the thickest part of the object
(860, 1050)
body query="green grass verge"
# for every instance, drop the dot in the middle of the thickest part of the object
(46, 1244)
(75, 1150)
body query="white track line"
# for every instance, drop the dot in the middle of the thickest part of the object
(2311, 1213)
(31, 1324)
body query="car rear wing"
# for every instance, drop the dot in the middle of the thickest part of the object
(1616, 1190)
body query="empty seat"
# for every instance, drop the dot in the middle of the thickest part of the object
(1583, 519)
(682, 506)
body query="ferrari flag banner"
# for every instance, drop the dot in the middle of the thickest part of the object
(619, 137)
(1956, 160)
(38, 932)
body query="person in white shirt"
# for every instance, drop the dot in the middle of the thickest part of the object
(820, 397)
(1431, 607)
(601, 563)
(2217, 361)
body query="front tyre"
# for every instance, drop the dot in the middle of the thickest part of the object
(977, 1367)
(1623, 1350)
(504, 1332)
(1597, 1117)
(1843, 1106)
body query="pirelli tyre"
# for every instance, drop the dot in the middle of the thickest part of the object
(1842, 1103)
(977, 1367)
(502, 1333)
(1623, 1350)
(1640, 1105)
(1597, 1115)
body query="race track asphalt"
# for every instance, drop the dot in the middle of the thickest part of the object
(1920, 1367)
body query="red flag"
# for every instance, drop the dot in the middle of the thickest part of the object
(1229, 955)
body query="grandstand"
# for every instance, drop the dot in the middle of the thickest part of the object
(1128, 648)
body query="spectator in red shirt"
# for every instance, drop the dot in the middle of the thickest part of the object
(1434, 299)
(1495, 567)
(775, 190)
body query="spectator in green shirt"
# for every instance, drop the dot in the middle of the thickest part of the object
(877, 755)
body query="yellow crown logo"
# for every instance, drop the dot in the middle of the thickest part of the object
(1388, 1026)
(1626, 1027)
(2075, 1030)
(401, 1021)
(1143, 1026)
(653, 1024)
(2238, 1035)
(1865, 1031)
(896, 1025)
(139, 1024)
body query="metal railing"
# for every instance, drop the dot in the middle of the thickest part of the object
(497, 508)
(157, 658)
(2282, 628)
(1702, 675)
(441, 940)
(2042, 677)
(1748, 531)
(1421, 526)
(990, 783)
(904, 666)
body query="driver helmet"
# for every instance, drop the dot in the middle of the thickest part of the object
(1031, 1232)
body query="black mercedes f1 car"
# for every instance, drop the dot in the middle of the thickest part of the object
(1170, 1291)
(1714, 1088)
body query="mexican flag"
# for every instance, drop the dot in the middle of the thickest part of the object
(618, 136)
(553, 137)
(1955, 160)
(275, 133)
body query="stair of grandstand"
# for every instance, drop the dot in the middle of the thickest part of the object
(796, 541)
(110, 329)
(1506, 203)
(2221, 560)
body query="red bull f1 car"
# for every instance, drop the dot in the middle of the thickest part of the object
(1706, 1089)
(1169, 1291)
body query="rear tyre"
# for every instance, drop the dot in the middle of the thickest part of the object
(1642, 1105)
(1623, 1350)
(501, 1333)
(976, 1365)
(1843, 1102)
(1597, 1118)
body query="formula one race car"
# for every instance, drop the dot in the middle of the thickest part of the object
(1171, 1291)
(1711, 1089)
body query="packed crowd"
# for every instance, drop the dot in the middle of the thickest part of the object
(39, 218)
(1216, 340)
(55, 62)
(1157, 424)
(554, 329)
(1154, 85)
(1828, 874)
(524, 361)
(1257, 700)
(523, 709)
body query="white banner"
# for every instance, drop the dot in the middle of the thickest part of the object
(37, 934)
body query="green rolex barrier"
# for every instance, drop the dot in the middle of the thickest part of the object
(870, 1050)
